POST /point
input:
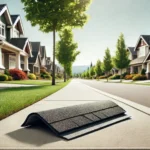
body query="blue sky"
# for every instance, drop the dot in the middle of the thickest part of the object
(108, 18)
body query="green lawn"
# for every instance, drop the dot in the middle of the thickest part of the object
(31, 82)
(15, 99)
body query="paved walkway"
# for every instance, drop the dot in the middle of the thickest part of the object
(134, 133)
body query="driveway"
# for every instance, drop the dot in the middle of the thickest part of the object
(136, 93)
(133, 133)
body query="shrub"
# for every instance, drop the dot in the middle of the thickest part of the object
(129, 77)
(17, 74)
(7, 72)
(102, 77)
(139, 77)
(10, 78)
(3, 77)
(143, 72)
(32, 76)
(116, 76)
(124, 75)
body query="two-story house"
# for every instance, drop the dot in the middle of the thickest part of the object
(14, 47)
(140, 55)
(35, 60)
(49, 64)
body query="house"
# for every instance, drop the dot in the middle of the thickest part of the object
(140, 55)
(49, 64)
(35, 61)
(43, 56)
(15, 49)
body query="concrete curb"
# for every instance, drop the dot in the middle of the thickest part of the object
(141, 108)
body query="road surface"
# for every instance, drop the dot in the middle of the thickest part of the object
(136, 93)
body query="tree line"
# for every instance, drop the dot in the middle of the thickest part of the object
(119, 61)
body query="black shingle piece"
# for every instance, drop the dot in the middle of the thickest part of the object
(100, 115)
(64, 125)
(58, 114)
(92, 117)
(74, 121)
(113, 111)
(81, 120)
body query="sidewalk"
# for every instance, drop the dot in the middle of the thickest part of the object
(134, 133)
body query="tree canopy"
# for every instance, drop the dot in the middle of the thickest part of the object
(107, 62)
(121, 59)
(53, 15)
(66, 50)
(98, 68)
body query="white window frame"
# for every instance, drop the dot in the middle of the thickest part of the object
(2, 29)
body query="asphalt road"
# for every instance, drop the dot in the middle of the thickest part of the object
(136, 93)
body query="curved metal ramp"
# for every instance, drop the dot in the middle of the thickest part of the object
(74, 121)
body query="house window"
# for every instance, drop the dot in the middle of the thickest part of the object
(12, 62)
(2, 30)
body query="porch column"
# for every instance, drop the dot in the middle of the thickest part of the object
(148, 70)
(26, 64)
(143, 66)
(1, 60)
(132, 70)
(18, 62)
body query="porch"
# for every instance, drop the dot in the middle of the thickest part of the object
(10, 59)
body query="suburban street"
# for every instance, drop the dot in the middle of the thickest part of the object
(132, 133)
(137, 93)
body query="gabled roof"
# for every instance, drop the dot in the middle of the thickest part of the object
(146, 38)
(17, 19)
(4, 10)
(19, 42)
(131, 49)
(43, 51)
(34, 57)
(139, 60)
(35, 50)
(35, 46)
(2, 6)
(14, 18)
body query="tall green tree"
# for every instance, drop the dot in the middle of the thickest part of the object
(98, 68)
(92, 71)
(53, 15)
(107, 62)
(121, 59)
(66, 50)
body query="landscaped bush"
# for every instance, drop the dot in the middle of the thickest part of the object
(124, 75)
(32, 76)
(44, 74)
(10, 78)
(17, 74)
(3, 77)
(102, 77)
(7, 72)
(143, 72)
(129, 77)
(139, 77)
(116, 76)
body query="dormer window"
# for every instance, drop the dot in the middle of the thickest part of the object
(2, 30)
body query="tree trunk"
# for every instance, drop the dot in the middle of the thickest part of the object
(53, 75)
(64, 75)
(121, 76)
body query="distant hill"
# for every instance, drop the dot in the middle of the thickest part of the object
(79, 69)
